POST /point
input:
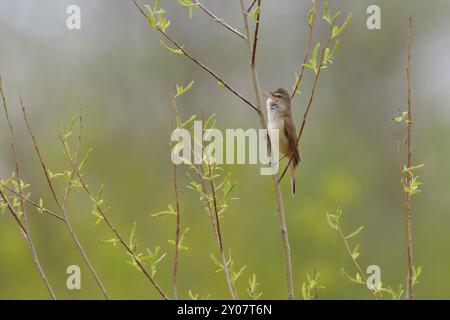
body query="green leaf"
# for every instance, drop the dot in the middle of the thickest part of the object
(255, 14)
(326, 15)
(113, 241)
(354, 233)
(169, 49)
(313, 64)
(337, 44)
(181, 90)
(311, 14)
(133, 239)
(337, 14)
(337, 31)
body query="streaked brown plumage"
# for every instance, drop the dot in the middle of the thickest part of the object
(279, 117)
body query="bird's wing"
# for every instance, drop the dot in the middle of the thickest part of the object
(291, 136)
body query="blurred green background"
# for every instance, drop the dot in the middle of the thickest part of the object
(115, 69)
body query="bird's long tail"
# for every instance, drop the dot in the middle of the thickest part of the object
(292, 174)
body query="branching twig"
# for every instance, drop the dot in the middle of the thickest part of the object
(276, 180)
(219, 20)
(307, 49)
(33, 203)
(198, 62)
(310, 101)
(355, 262)
(100, 210)
(210, 202)
(60, 205)
(24, 227)
(219, 235)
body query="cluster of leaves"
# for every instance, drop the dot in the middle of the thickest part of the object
(156, 17)
(253, 288)
(19, 191)
(14, 200)
(189, 5)
(310, 287)
(235, 274)
(410, 179)
(328, 55)
(151, 257)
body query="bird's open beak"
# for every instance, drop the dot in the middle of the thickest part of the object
(269, 94)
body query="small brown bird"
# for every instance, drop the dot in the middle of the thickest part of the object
(279, 117)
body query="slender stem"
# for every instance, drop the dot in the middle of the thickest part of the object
(251, 6)
(213, 213)
(113, 229)
(178, 218)
(255, 37)
(198, 62)
(219, 20)
(219, 237)
(316, 294)
(60, 206)
(310, 101)
(355, 262)
(407, 206)
(276, 181)
(307, 49)
(26, 234)
(33, 203)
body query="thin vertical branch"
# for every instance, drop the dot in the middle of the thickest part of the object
(219, 236)
(25, 229)
(315, 276)
(210, 202)
(60, 205)
(310, 100)
(307, 49)
(407, 206)
(255, 37)
(177, 206)
(276, 180)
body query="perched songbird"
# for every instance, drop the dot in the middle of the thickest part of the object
(279, 116)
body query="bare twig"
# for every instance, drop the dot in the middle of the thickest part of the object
(251, 6)
(276, 180)
(60, 206)
(219, 20)
(198, 62)
(24, 228)
(307, 49)
(255, 37)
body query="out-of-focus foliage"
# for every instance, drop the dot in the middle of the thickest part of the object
(115, 69)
